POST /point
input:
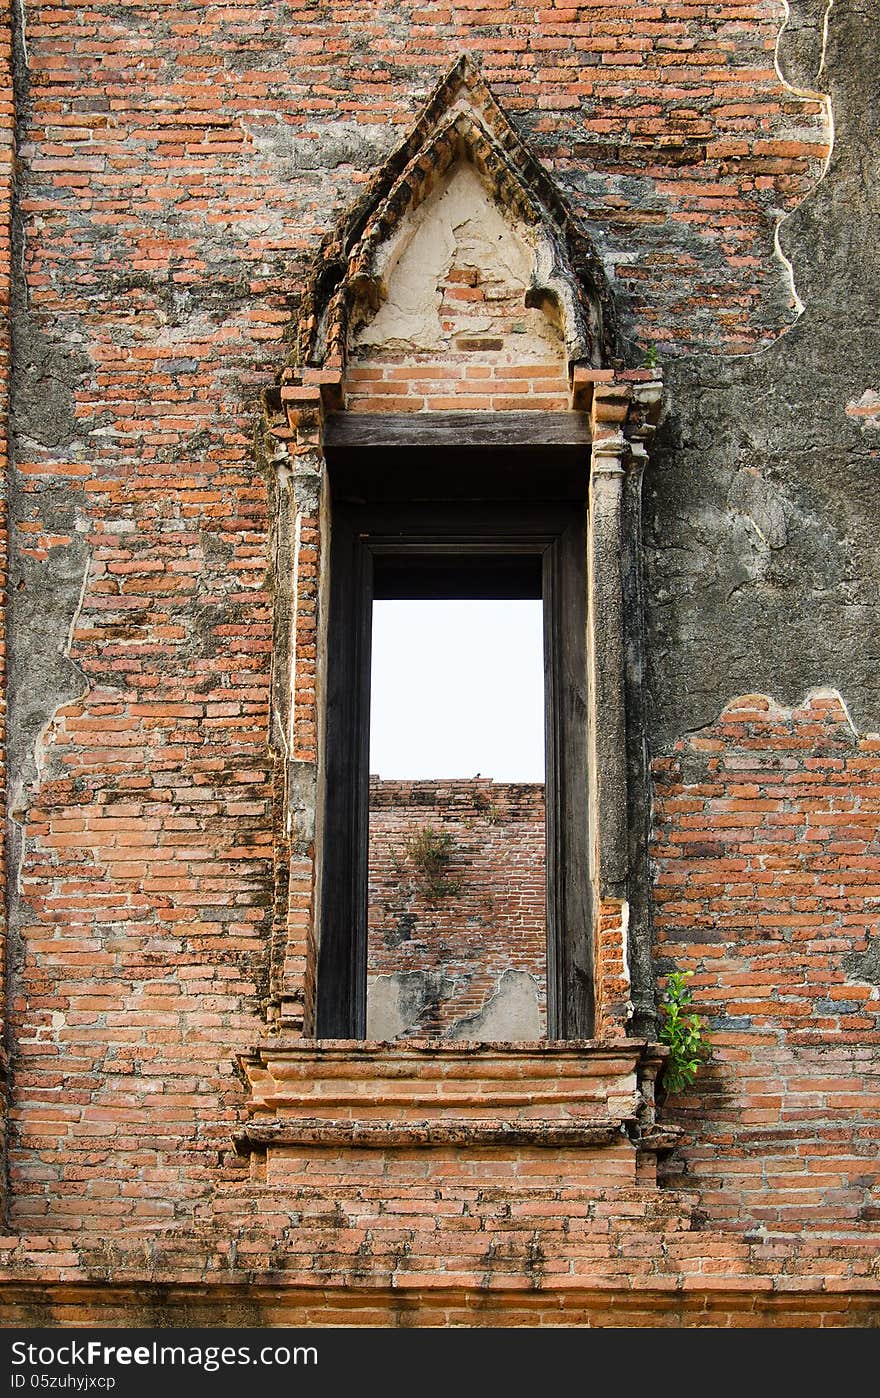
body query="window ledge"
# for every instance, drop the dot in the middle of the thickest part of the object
(583, 1094)
(382, 1135)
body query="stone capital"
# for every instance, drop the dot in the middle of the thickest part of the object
(607, 455)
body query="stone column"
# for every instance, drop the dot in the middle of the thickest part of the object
(605, 644)
(607, 689)
(639, 890)
(623, 411)
(295, 416)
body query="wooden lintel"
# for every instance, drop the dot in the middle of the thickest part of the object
(494, 429)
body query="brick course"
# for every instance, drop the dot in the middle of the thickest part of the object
(480, 383)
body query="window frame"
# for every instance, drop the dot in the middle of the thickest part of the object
(364, 529)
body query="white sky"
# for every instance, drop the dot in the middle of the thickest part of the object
(457, 689)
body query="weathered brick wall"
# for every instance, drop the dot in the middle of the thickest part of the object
(767, 886)
(176, 174)
(479, 914)
(7, 175)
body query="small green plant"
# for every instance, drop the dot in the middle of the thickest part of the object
(651, 358)
(486, 806)
(430, 853)
(684, 1033)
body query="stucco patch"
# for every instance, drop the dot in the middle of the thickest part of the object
(458, 236)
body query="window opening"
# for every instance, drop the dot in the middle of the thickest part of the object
(504, 547)
(457, 899)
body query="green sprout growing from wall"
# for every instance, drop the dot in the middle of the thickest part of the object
(684, 1033)
(430, 853)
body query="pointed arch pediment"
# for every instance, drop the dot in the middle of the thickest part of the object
(461, 126)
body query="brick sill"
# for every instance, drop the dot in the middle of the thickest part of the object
(572, 1094)
(384, 1135)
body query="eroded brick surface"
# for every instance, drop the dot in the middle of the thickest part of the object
(767, 884)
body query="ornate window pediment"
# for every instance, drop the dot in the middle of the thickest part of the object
(461, 126)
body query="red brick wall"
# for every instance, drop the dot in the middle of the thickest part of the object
(485, 386)
(175, 177)
(767, 859)
(492, 918)
(7, 177)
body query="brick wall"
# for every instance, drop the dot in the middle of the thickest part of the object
(175, 177)
(482, 383)
(479, 914)
(7, 176)
(767, 887)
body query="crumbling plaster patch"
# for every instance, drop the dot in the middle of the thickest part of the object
(46, 599)
(396, 1003)
(458, 227)
(766, 439)
(801, 44)
(334, 144)
(46, 588)
(799, 59)
(52, 680)
(511, 1013)
(864, 965)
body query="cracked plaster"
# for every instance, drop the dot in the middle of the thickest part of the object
(761, 518)
(457, 228)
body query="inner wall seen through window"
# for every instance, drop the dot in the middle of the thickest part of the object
(457, 920)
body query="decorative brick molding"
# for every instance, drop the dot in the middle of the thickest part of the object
(461, 118)
(467, 383)
(581, 1097)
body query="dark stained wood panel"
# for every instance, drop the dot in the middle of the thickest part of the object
(342, 957)
(570, 972)
(513, 431)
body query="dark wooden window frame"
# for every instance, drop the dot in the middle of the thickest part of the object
(499, 535)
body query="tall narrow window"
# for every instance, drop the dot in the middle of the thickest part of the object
(490, 547)
(456, 944)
